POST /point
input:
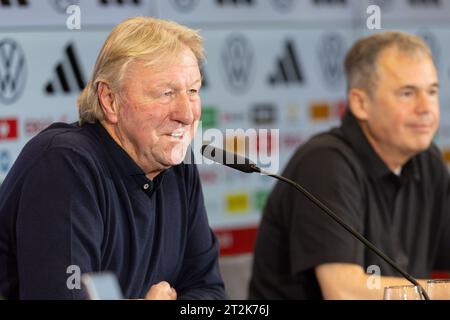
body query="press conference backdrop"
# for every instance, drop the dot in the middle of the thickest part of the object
(271, 64)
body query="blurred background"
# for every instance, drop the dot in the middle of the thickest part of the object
(272, 64)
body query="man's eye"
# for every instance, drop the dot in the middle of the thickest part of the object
(434, 92)
(192, 91)
(168, 93)
(407, 93)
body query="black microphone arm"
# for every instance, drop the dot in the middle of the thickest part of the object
(245, 165)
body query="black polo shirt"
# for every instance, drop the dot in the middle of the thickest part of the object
(75, 198)
(405, 216)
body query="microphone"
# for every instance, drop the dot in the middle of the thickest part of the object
(246, 165)
(229, 159)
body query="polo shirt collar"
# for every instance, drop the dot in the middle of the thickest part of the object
(126, 164)
(372, 163)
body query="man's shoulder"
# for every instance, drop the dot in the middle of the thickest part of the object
(434, 153)
(331, 144)
(326, 154)
(59, 140)
(59, 143)
(63, 136)
(432, 160)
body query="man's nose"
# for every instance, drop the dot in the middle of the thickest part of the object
(424, 102)
(183, 109)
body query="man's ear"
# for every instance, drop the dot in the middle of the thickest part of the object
(107, 102)
(359, 103)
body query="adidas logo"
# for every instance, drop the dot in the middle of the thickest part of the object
(288, 69)
(68, 76)
(119, 2)
(9, 3)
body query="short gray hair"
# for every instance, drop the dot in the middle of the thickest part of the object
(361, 60)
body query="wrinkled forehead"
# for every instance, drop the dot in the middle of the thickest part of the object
(182, 70)
(164, 61)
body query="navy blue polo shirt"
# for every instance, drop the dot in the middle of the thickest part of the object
(75, 199)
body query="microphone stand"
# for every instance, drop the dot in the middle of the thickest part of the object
(336, 218)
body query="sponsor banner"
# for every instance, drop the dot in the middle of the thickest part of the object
(238, 240)
(8, 129)
(288, 78)
(34, 125)
(237, 203)
(407, 12)
(57, 13)
(5, 161)
(209, 116)
(446, 155)
(9, 151)
(40, 83)
(275, 84)
(440, 274)
(230, 11)
(13, 70)
(252, 85)
(39, 87)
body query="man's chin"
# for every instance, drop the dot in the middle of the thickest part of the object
(425, 144)
(176, 157)
(420, 147)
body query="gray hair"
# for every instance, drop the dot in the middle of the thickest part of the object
(361, 60)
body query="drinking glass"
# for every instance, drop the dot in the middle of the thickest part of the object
(438, 289)
(406, 292)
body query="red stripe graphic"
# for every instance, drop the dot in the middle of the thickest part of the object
(8, 129)
(236, 241)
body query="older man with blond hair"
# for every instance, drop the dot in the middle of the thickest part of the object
(112, 192)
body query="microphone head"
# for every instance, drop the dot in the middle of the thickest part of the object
(229, 159)
(203, 148)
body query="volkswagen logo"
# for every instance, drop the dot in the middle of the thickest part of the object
(184, 5)
(331, 52)
(237, 56)
(12, 71)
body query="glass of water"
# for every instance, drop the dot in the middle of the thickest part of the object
(438, 289)
(406, 292)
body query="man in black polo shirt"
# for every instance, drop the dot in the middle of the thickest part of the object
(111, 192)
(379, 172)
